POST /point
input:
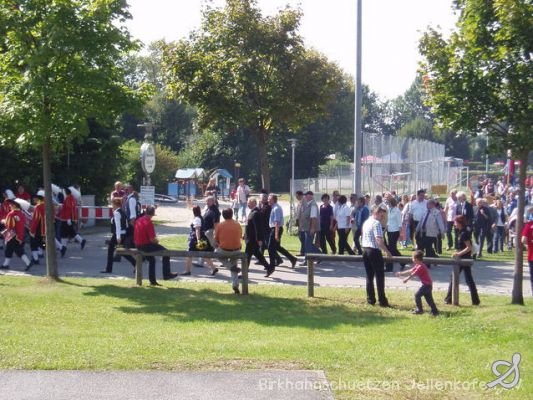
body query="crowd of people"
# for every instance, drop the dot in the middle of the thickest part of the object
(371, 227)
(22, 216)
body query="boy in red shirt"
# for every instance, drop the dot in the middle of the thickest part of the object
(422, 271)
(527, 239)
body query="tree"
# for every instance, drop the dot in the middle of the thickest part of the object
(244, 70)
(59, 67)
(480, 80)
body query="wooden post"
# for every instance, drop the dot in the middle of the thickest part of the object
(245, 275)
(310, 277)
(455, 284)
(139, 269)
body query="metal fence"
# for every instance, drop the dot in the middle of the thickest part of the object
(392, 163)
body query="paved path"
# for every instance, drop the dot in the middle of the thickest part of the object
(151, 385)
(492, 278)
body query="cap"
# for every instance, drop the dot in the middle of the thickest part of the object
(309, 193)
(40, 193)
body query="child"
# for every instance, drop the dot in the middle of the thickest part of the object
(425, 290)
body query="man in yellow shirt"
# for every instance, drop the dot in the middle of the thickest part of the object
(228, 236)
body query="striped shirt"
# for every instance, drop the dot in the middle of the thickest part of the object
(371, 230)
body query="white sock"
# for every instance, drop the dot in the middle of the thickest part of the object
(40, 251)
(64, 243)
(78, 238)
(58, 244)
(35, 255)
(7, 261)
(26, 260)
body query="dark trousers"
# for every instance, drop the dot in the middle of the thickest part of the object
(480, 233)
(14, 246)
(343, 241)
(274, 248)
(36, 241)
(419, 237)
(438, 244)
(490, 239)
(374, 266)
(428, 245)
(252, 249)
(449, 228)
(426, 292)
(326, 235)
(392, 245)
(471, 285)
(357, 241)
(301, 237)
(147, 248)
(499, 237)
(412, 230)
(111, 250)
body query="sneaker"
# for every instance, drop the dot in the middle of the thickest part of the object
(83, 242)
(270, 271)
(185, 274)
(214, 272)
(236, 290)
(417, 312)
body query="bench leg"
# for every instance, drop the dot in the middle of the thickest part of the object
(244, 276)
(139, 269)
(455, 285)
(310, 278)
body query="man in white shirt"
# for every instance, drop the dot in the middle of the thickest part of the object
(308, 222)
(450, 208)
(418, 211)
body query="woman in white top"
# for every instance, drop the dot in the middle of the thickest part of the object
(394, 223)
(343, 217)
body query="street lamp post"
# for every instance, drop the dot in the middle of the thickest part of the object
(358, 129)
(147, 153)
(293, 147)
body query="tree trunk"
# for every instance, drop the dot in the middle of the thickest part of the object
(262, 135)
(518, 296)
(51, 261)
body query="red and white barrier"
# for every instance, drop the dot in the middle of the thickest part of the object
(88, 212)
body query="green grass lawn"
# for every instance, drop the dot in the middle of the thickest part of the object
(95, 324)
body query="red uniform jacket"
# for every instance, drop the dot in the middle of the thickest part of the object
(15, 220)
(37, 221)
(69, 210)
(144, 231)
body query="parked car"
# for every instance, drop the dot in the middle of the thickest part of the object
(164, 199)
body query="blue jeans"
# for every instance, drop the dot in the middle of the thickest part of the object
(242, 210)
(309, 245)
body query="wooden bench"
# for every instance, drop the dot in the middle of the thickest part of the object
(139, 255)
(456, 263)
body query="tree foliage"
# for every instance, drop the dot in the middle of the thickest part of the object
(60, 65)
(243, 70)
(481, 79)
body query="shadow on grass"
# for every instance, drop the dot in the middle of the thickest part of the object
(186, 305)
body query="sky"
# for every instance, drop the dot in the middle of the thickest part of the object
(391, 30)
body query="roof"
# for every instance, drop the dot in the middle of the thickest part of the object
(221, 172)
(189, 173)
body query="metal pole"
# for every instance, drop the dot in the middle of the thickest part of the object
(293, 146)
(358, 134)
